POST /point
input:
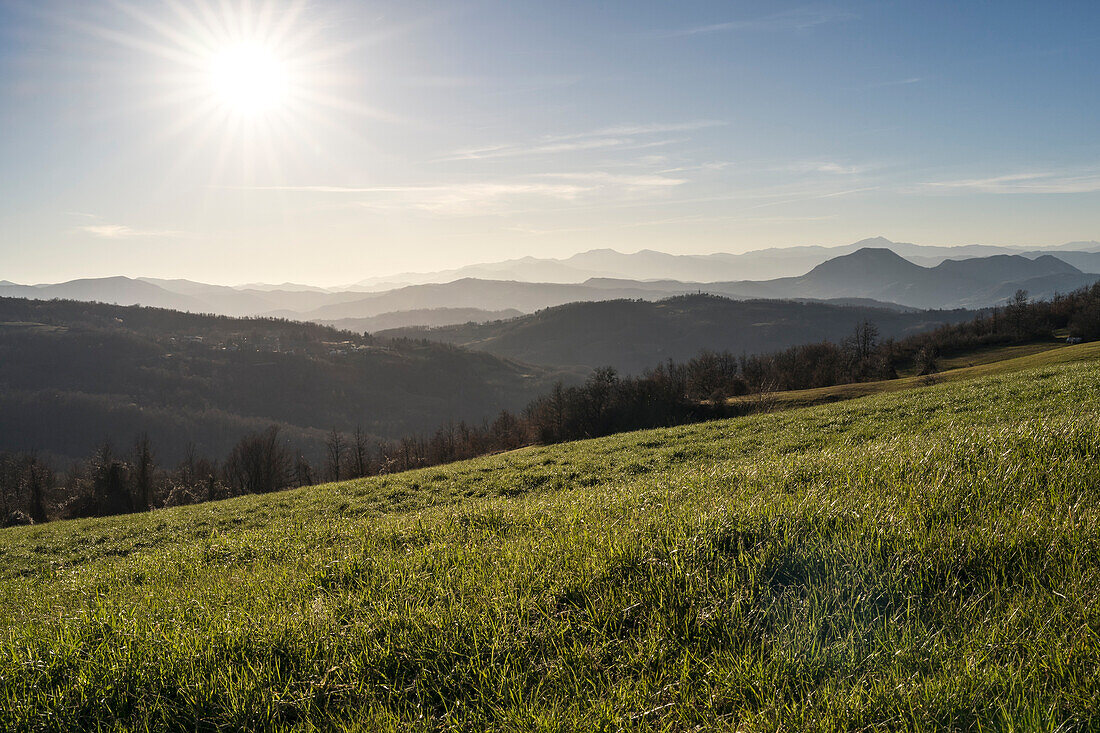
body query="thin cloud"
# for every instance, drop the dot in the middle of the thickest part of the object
(826, 166)
(798, 19)
(501, 196)
(895, 83)
(712, 166)
(479, 188)
(633, 130)
(621, 137)
(817, 197)
(460, 199)
(615, 179)
(505, 151)
(670, 221)
(1017, 183)
(121, 231)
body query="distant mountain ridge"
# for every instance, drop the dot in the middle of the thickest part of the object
(871, 273)
(762, 264)
(881, 274)
(919, 276)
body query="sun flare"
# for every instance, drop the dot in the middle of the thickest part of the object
(248, 88)
(248, 79)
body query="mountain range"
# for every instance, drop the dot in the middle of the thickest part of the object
(893, 273)
(877, 276)
(763, 264)
(882, 274)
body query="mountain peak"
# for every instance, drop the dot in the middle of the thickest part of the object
(863, 265)
(879, 241)
(870, 255)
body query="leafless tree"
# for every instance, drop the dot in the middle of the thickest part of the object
(259, 463)
(360, 458)
(144, 469)
(335, 451)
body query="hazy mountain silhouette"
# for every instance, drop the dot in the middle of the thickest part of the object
(882, 274)
(763, 264)
(908, 274)
(116, 290)
(480, 294)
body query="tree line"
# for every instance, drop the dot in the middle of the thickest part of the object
(112, 481)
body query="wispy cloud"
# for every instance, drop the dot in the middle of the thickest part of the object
(830, 167)
(546, 148)
(797, 19)
(710, 166)
(671, 221)
(121, 231)
(621, 137)
(1049, 182)
(895, 82)
(620, 180)
(650, 129)
(463, 198)
(468, 198)
(800, 198)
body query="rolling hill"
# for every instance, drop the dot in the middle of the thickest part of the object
(633, 335)
(72, 374)
(428, 317)
(923, 560)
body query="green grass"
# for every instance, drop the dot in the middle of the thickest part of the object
(998, 353)
(920, 560)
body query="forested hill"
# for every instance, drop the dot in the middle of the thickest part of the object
(74, 373)
(634, 335)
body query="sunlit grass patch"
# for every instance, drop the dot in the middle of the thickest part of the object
(921, 560)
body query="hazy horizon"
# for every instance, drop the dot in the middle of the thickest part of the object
(388, 277)
(331, 142)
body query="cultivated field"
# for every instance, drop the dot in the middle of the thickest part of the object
(924, 559)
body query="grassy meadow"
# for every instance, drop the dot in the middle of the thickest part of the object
(926, 559)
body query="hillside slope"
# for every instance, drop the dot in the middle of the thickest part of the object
(72, 374)
(431, 317)
(924, 560)
(635, 335)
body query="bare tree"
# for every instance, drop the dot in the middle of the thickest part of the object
(335, 450)
(144, 469)
(1017, 312)
(865, 339)
(38, 479)
(259, 463)
(360, 460)
(303, 472)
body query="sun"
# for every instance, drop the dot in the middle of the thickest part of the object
(247, 88)
(248, 79)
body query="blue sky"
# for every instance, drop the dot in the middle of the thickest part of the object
(425, 135)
